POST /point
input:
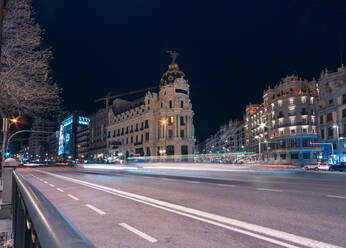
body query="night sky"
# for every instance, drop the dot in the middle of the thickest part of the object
(230, 50)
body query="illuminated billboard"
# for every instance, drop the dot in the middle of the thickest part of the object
(65, 134)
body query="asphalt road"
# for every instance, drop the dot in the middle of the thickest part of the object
(177, 208)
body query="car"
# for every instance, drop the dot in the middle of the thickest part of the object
(311, 166)
(338, 167)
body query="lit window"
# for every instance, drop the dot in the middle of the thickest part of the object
(291, 100)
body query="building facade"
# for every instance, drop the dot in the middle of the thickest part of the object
(332, 114)
(98, 135)
(39, 142)
(73, 135)
(283, 129)
(158, 124)
(229, 138)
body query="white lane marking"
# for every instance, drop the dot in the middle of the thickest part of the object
(148, 177)
(45, 181)
(41, 180)
(236, 225)
(139, 233)
(58, 189)
(99, 211)
(190, 181)
(52, 185)
(272, 190)
(73, 197)
(337, 196)
(226, 185)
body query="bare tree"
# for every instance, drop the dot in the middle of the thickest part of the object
(25, 83)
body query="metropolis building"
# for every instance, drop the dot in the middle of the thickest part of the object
(157, 124)
(332, 113)
(283, 129)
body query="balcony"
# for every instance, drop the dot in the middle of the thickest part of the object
(138, 143)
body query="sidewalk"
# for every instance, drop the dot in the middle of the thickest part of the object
(5, 225)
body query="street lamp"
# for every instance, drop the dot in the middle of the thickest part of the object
(338, 139)
(164, 123)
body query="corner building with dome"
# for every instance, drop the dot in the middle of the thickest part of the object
(157, 124)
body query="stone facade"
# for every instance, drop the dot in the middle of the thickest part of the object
(332, 112)
(284, 127)
(157, 124)
(98, 135)
(39, 142)
(229, 138)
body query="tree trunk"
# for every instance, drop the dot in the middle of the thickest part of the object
(4, 138)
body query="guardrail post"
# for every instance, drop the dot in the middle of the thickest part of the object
(9, 165)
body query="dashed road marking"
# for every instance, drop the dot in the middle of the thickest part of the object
(190, 181)
(52, 185)
(226, 185)
(272, 190)
(139, 233)
(73, 197)
(45, 181)
(337, 196)
(99, 211)
(58, 189)
(271, 235)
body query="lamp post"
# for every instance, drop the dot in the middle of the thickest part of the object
(164, 123)
(338, 140)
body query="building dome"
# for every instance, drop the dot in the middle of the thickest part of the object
(171, 74)
(173, 71)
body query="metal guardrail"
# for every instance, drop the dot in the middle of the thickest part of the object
(37, 223)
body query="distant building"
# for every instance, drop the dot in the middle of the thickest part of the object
(332, 112)
(283, 129)
(72, 136)
(229, 138)
(39, 142)
(157, 124)
(98, 135)
(82, 141)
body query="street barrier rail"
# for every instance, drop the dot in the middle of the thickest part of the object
(37, 223)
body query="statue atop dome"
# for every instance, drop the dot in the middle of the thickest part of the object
(173, 55)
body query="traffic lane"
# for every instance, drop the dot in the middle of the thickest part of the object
(303, 215)
(293, 181)
(170, 230)
(101, 230)
(315, 186)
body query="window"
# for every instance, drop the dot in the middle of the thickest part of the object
(294, 155)
(131, 139)
(146, 136)
(343, 113)
(330, 132)
(321, 119)
(331, 101)
(170, 104)
(170, 133)
(182, 133)
(283, 156)
(127, 140)
(344, 99)
(181, 104)
(182, 123)
(306, 155)
(329, 117)
(293, 131)
(109, 134)
(146, 124)
(322, 134)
